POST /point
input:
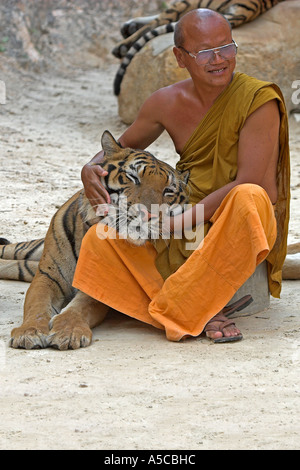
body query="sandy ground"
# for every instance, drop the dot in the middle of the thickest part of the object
(131, 389)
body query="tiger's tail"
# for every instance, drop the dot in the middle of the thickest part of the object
(135, 48)
(19, 261)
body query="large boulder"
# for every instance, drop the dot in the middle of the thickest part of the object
(268, 50)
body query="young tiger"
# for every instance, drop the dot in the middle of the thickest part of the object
(134, 176)
(138, 31)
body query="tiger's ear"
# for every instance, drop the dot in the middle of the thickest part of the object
(110, 146)
(184, 175)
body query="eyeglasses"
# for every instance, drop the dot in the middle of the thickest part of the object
(204, 57)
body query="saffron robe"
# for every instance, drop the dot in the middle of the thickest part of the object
(211, 157)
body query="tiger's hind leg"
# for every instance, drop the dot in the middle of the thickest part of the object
(71, 329)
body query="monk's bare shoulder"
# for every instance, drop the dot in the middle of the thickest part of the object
(167, 101)
(158, 113)
(171, 92)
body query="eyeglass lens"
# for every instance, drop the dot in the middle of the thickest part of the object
(226, 52)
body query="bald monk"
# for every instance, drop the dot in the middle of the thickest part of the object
(230, 131)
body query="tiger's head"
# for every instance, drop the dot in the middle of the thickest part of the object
(142, 189)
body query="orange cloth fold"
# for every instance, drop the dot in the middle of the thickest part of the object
(125, 277)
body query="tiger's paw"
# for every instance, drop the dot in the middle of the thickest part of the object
(69, 331)
(121, 49)
(130, 27)
(29, 337)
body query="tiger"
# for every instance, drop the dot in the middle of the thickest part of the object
(138, 31)
(49, 264)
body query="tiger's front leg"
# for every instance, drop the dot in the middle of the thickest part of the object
(72, 328)
(42, 301)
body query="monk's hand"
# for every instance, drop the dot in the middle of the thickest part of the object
(91, 177)
(184, 223)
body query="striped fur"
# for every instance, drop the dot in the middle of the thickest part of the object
(19, 261)
(237, 14)
(50, 263)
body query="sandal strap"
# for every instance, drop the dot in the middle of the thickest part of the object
(225, 324)
(218, 318)
(222, 316)
(238, 305)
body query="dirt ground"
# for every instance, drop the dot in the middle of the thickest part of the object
(131, 389)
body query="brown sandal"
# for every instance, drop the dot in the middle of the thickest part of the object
(224, 339)
(222, 317)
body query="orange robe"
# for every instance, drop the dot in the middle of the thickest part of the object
(180, 291)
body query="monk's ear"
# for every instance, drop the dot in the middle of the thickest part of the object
(110, 146)
(179, 56)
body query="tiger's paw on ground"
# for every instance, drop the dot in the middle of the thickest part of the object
(69, 331)
(30, 337)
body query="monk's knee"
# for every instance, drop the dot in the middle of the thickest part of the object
(248, 193)
(250, 197)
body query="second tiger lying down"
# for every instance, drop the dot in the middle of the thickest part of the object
(134, 175)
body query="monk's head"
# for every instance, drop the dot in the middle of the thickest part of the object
(200, 30)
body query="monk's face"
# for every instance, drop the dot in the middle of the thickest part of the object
(208, 33)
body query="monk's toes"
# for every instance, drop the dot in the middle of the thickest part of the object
(220, 329)
(231, 332)
(214, 335)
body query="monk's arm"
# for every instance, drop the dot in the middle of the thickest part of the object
(140, 134)
(257, 161)
(147, 127)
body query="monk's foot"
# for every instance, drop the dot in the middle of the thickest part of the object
(221, 330)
